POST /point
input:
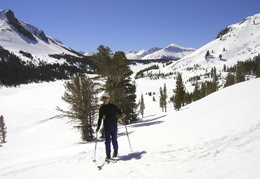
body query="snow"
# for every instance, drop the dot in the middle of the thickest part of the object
(215, 137)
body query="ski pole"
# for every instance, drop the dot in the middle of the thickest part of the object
(128, 136)
(95, 148)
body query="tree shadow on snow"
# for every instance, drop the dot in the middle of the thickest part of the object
(148, 122)
(124, 133)
(148, 116)
(135, 155)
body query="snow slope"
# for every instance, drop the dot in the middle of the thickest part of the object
(172, 51)
(215, 137)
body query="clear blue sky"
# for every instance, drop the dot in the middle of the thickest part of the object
(125, 25)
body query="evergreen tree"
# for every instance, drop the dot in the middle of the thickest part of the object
(207, 55)
(165, 97)
(240, 72)
(213, 72)
(220, 56)
(188, 98)
(257, 68)
(196, 92)
(161, 99)
(102, 60)
(203, 90)
(129, 103)
(214, 84)
(3, 130)
(178, 99)
(114, 68)
(224, 68)
(142, 105)
(230, 80)
(81, 94)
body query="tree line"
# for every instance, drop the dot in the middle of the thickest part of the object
(236, 74)
(14, 71)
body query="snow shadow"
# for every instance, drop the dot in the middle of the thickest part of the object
(148, 122)
(124, 133)
(48, 119)
(148, 116)
(135, 155)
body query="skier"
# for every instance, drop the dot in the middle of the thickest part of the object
(107, 112)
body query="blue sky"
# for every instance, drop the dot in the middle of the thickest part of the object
(125, 25)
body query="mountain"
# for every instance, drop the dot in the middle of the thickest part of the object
(28, 55)
(237, 42)
(170, 52)
(142, 53)
(88, 53)
(16, 35)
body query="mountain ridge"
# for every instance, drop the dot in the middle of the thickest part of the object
(237, 42)
(16, 35)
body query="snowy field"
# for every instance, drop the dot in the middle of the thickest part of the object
(215, 137)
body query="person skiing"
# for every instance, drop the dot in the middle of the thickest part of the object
(107, 113)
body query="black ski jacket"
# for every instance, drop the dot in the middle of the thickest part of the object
(108, 113)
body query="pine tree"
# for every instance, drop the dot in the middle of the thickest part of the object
(178, 99)
(188, 98)
(196, 92)
(220, 56)
(230, 80)
(81, 94)
(142, 105)
(165, 97)
(3, 130)
(129, 103)
(203, 90)
(214, 84)
(240, 72)
(224, 68)
(114, 68)
(161, 99)
(207, 55)
(257, 59)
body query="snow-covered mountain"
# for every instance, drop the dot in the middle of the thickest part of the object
(237, 42)
(142, 53)
(16, 35)
(88, 53)
(172, 51)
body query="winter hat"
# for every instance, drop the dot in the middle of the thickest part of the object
(106, 95)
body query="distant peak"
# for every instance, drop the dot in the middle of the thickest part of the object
(175, 45)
